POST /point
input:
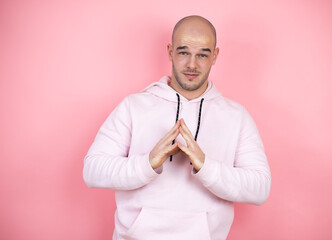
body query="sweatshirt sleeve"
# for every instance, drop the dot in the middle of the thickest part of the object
(107, 164)
(249, 180)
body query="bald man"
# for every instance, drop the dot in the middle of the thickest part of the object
(178, 154)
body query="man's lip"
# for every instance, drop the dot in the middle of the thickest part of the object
(191, 75)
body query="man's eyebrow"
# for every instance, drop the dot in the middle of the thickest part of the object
(181, 47)
(206, 49)
(185, 47)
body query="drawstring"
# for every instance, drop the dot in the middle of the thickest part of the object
(176, 119)
(198, 124)
(199, 118)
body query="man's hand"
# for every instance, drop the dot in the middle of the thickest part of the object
(164, 149)
(194, 152)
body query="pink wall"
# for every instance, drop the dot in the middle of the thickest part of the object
(64, 65)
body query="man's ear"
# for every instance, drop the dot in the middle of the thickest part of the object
(170, 51)
(215, 55)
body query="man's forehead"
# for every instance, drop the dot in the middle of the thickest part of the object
(193, 41)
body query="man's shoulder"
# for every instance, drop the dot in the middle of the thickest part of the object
(228, 104)
(137, 100)
(138, 96)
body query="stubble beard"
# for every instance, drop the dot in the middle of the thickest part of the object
(189, 87)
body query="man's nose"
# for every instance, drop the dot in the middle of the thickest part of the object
(191, 64)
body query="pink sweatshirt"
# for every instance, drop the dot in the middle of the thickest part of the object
(173, 202)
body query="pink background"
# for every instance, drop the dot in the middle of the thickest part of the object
(64, 65)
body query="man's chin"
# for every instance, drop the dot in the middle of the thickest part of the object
(191, 86)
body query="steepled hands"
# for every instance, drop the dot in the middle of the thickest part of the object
(164, 148)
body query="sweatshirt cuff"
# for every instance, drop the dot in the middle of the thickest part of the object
(145, 172)
(208, 174)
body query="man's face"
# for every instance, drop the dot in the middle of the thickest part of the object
(192, 55)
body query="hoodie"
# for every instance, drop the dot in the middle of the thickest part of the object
(174, 201)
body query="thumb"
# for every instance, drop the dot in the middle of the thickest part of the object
(184, 148)
(173, 149)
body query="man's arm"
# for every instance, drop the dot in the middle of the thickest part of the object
(247, 181)
(107, 164)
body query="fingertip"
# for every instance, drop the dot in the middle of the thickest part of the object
(183, 123)
(182, 130)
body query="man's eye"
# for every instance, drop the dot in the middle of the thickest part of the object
(183, 53)
(202, 55)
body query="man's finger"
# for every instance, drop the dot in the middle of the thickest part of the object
(171, 137)
(185, 135)
(197, 164)
(188, 138)
(173, 149)
(184, 149)
(172, 131)
(186, 130)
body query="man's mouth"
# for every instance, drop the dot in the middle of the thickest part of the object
(191, 75)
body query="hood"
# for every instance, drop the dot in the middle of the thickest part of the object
(163, 90)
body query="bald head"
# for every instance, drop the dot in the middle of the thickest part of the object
(195, 22)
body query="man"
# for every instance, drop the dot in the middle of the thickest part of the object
(179, 181)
